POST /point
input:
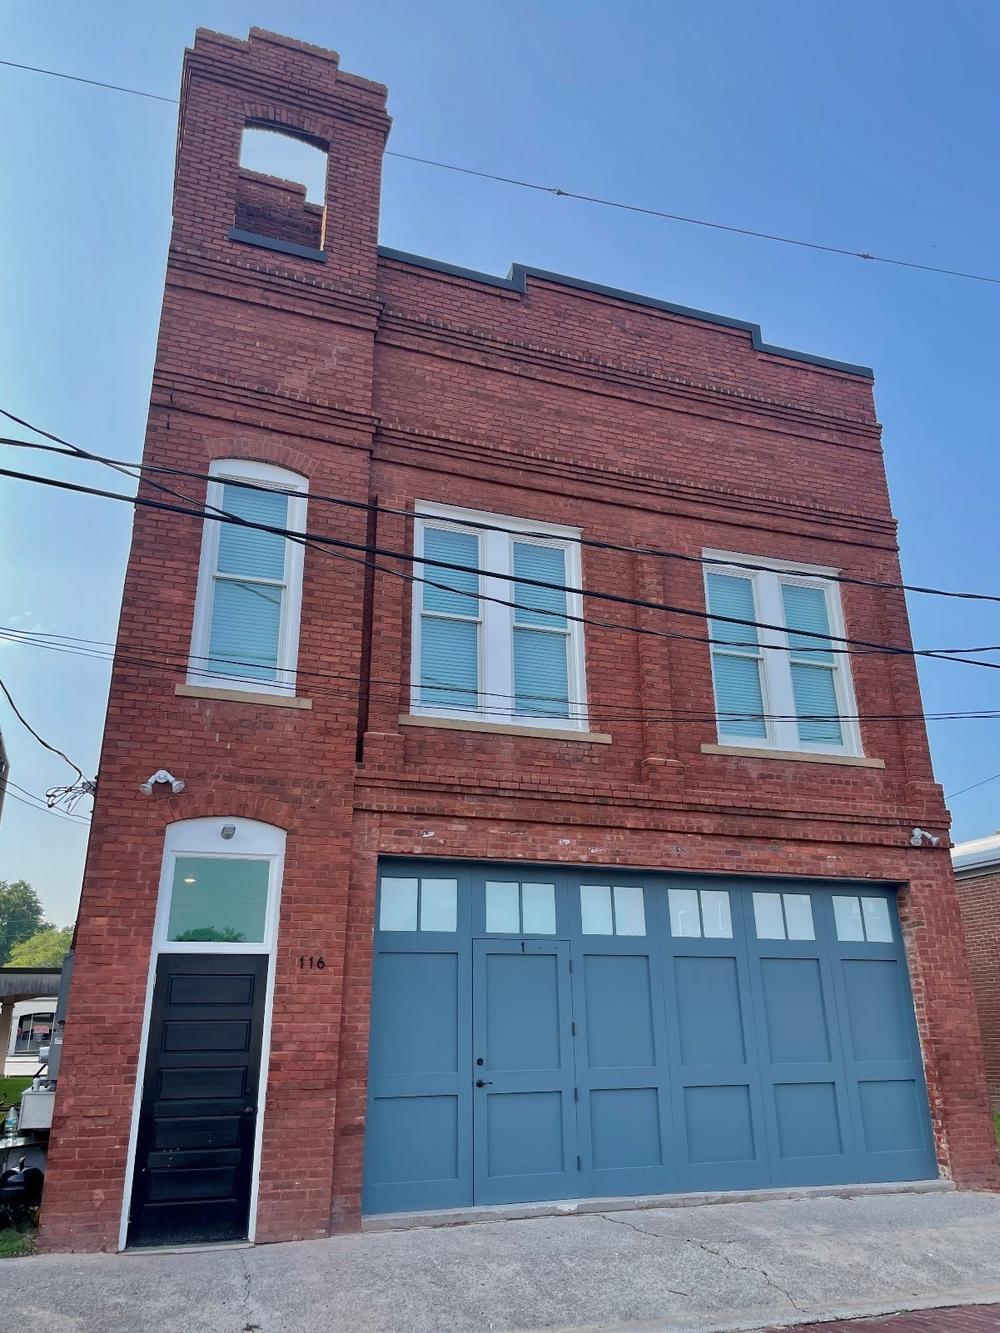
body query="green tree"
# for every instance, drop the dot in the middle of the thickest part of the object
(47, 948)
(20, 915)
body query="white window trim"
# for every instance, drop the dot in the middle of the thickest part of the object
(776, 676)
(253, 840)
(496, 639)
(200, 670)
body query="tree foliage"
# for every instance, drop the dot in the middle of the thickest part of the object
(46, 948)
(21, 915)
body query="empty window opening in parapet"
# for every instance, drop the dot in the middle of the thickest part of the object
(281, 191)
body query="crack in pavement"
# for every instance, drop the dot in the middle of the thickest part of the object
(248, 1326)
(703, 1245)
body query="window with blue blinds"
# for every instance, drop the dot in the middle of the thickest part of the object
(499, 641)
(778, 681)
(449, 631)
(541, 635)
(736, 661)
(246, 616)
(249, 586)
(813, 665)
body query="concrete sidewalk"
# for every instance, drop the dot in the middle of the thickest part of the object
(712, 1267)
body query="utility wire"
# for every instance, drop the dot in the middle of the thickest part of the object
(47, 810)
(558, 192)
(41, 741)
(963, 790)
(411, 515)
(42, 803)
(395, 688)
(342, 547)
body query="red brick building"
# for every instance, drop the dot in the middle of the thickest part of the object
(977, 877)
(649, 916)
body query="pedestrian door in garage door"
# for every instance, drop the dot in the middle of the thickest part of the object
(541, 1034)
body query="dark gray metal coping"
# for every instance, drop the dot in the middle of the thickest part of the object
(28, 982)
(271, 243)
(517, 281)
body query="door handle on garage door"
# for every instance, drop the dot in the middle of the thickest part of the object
(484, 1082)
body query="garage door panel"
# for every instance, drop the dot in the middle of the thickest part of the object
(720, 1124)
(625, 1126)
(877, 1021)
(795, 1011)
(417, 1031)
(709, 1011)
(618, 1011)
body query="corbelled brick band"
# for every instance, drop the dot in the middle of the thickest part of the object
(381, 375)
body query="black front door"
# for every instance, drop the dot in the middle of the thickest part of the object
(197, 1121)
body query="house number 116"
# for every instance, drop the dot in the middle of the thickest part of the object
(311, 963)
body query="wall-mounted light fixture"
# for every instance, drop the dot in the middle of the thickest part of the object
(161, 775)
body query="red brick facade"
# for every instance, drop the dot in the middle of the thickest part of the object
(979, 900)
(378, 376)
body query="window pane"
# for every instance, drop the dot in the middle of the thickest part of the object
(398, 906)
(806, 609)
(684, 920)
(548, 605)
(878, 923)
(799, 916)
(438, 904)
(738, 697)
(716, 914)
(767, 916)
(630, 915)
(460, 595)
(217, 899)
(538, 909)
(595, 909)
(541, 685)
(816, 704)
(847, 919)
(246, 621)
(449, 663)
(246, 550)
(501, 908)
(729, 595)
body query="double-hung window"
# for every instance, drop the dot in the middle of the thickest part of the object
(246, 622)
(782, 687)
(493, 637)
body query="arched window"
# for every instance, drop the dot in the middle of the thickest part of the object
(246, 618)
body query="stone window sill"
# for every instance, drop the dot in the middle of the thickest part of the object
(242, 696)
(506, 729)
(796, 756)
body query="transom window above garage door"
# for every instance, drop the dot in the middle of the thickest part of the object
(494, 634)
(861, 918)
(514, 908)
(418, 903)
(612, 909)
(783, 916)
(697, 913)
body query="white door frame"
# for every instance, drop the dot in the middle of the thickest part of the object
(252, 840)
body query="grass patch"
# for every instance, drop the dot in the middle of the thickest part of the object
(996, 1126)
(16, 1244)
(11, 1089)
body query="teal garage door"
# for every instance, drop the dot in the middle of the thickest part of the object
(540, 1034)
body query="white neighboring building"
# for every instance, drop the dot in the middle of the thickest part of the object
(30, 1028)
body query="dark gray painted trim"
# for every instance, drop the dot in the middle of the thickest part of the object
(517, 281)
(270, 243)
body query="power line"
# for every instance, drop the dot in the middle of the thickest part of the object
(558, 192)
(42, 803)
(47, 810)
(41, 741)
(411, 515)
(342, 548)
(95, 649)
(963, 790)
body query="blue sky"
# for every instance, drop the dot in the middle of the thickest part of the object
(867, 126)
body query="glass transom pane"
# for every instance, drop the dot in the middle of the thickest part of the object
(502, 915)
(438, 904)
(398, 904)
(460, 595)
(248, 551)
(716, 914)
(595, 909)
(847, 918)
(630, 914)
(798, 916)
(684, 922)
(878, 923)
(768, 921)
(538, 909)
(219, 900)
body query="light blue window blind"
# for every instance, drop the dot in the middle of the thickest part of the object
(812, 664)
(449, 623)
(736, 661)
(249, 586)
(541, 632)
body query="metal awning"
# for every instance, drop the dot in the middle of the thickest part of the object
(24, 983)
